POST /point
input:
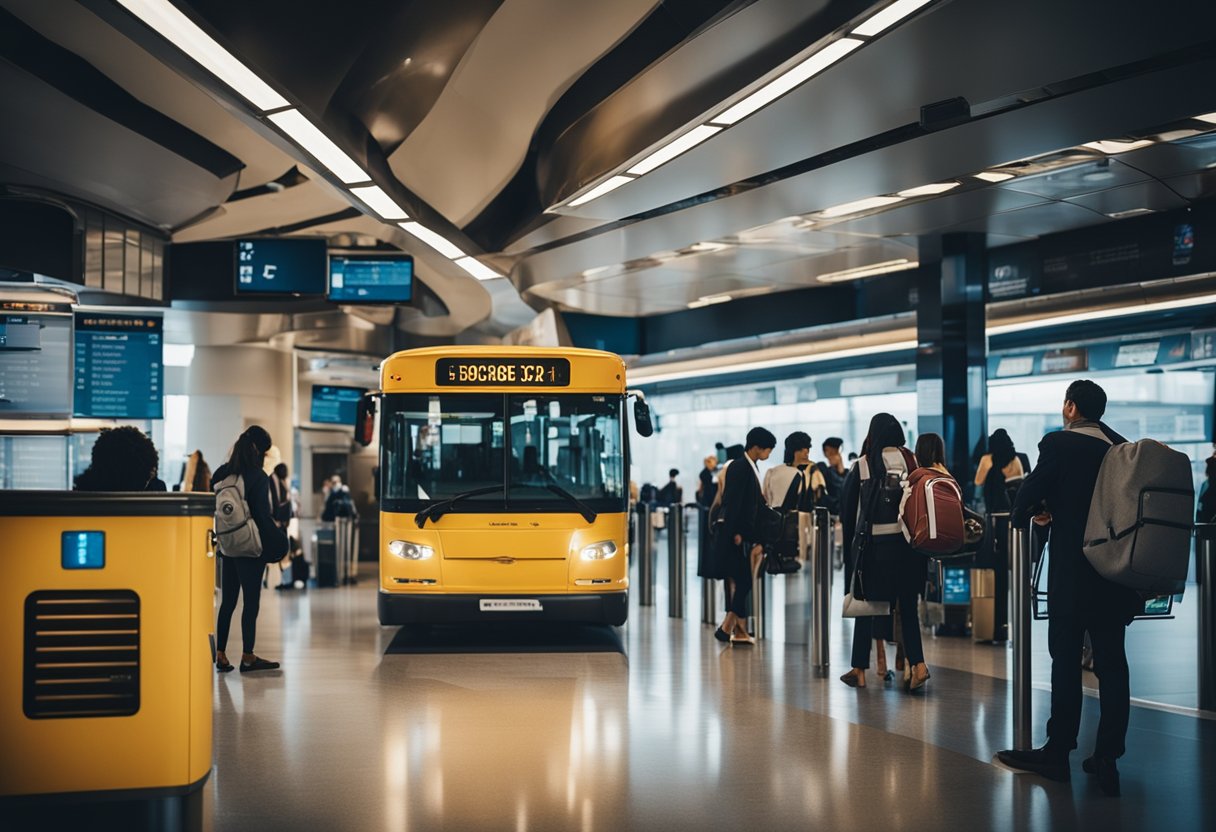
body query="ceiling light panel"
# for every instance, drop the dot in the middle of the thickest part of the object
(476, 268)
(436, 241)
(674, 148)
(599, 190)
(886, 267)
(857, 206)
(374, 197)
(1112, 147)
(779, 86)
(1210, 118)
(888, 17)
(994, 176)
(929, 190)
(304, 133)
(183, 33)
(1101, 314)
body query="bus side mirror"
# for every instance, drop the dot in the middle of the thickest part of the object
(641, 418)
(365, 420)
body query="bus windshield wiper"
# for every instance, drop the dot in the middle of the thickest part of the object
(436, 510)
(582, 507)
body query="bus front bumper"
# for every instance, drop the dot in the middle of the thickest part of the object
(604, 608)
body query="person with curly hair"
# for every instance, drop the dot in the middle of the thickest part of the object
(124, 459)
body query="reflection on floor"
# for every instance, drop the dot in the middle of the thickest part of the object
(676, 732)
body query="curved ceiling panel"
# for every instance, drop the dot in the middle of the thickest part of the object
(478, 132)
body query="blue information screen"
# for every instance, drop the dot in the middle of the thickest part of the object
(280, 266)
(335, 405)
(371, 278)
(956, 585)
(119, 366)
(83, 550)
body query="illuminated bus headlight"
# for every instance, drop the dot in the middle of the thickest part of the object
(599, 551)
(410, 551)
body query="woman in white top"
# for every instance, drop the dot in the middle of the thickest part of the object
(778, 480)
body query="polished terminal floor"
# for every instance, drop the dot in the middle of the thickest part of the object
(670, 731)
(651, 726)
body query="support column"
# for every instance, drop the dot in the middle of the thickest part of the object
(952, 353)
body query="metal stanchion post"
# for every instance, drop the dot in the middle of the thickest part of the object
(1019, 557)
(677, 560)
(709, 588)
(645, 557)
(820, 565)
(759, 599)
(1205, 576)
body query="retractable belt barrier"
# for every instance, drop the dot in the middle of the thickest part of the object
(645, 555)
(1020, 581)
(108, 609)
(677, 560)
(817, 541)
(1205, 576)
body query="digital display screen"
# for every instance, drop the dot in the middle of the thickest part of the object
(83, 550)
(371, 278)
(120, 370)
(956, 585)
(280, 267)
(335, 405)
(502, 372)
(35, 365)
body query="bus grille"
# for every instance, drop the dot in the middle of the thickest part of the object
(81, 654)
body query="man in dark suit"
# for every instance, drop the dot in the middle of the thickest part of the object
(742, 498)
(1058, 493)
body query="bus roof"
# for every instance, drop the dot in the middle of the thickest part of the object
(415, 370)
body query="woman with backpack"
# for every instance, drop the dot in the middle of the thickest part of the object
(243, 572)
(892, 569)
(1000, 474)
(793, 487)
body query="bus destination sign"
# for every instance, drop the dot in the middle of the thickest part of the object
(502, 372)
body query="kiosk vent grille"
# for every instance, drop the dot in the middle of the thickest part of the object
(81, 653)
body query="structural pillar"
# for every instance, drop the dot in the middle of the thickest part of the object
(952, 350)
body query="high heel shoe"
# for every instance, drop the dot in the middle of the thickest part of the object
(736, 639)
(854, 679)
(721, 635)
(918, 682)
(907, 676)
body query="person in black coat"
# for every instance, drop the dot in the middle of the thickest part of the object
(243, 574)
(735, 538)
(1058, 492)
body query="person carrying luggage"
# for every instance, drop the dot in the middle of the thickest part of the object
(1058, 493)
(243, 489)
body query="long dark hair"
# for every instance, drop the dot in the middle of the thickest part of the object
(249, 451)
(1001, 448)
(885, 432)
(930, 450)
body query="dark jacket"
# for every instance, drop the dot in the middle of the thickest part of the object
(891, 564)
(1206, 513)
(834, 480)
(1063, 483)
(709, 487)
(741, 499)
(257, 495)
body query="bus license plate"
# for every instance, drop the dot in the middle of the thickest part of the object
(510, 605)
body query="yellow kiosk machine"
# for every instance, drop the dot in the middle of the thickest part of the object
(107, 605)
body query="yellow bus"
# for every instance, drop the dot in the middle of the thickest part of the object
(504, 484)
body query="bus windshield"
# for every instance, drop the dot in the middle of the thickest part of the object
(542, 449)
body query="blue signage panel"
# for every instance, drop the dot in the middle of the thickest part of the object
(83, 550)
(280, 266)
(335, 405)
(119, 366)
(371, 278)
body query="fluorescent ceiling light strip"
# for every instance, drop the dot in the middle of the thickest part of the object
(178, 355)
(888, 17)
(304, 133)
(674, 148)
(903, 264)
(476, 268)
(601, 189)
(183, 33)
(1210, 118)
(436, 241)
(1101, 314)
(1115, 146)
(374, 197)
(993, 176)
(779, 86)
(709, 300)
(640, 376)
(929, 190)
(859, 205)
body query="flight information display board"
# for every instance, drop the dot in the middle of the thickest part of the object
(371, 278)
(119, 366)
(335, 405)
(280, 266)
(35, 362)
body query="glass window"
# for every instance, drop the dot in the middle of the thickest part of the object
(436, 446)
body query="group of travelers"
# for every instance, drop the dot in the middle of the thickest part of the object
(1056, 494)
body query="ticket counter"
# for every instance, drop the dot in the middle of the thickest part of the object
(106, 621)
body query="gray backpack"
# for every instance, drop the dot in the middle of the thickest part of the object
(1138, 534)
(235, 530)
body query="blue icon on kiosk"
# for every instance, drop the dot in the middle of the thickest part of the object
(84, 550)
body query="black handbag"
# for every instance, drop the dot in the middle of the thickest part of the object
(769, 525)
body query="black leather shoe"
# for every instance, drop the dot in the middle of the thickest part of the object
(1038, 761)
(721, 635)
(258, 663)
(1107, 771)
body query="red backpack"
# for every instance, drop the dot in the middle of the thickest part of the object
(932, 513)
